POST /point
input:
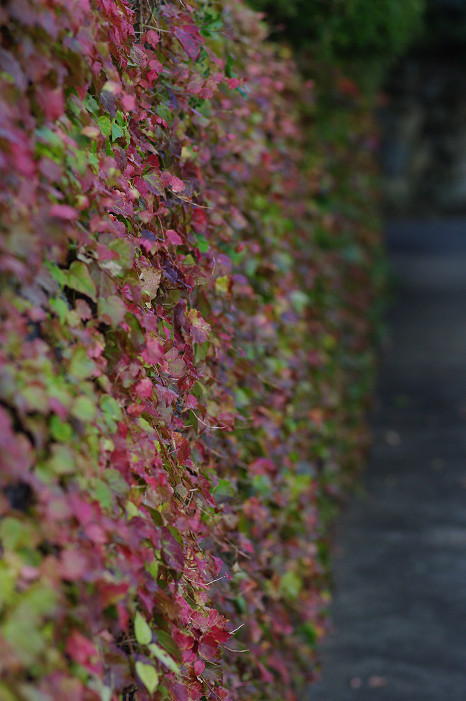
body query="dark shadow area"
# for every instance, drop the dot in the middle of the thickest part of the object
(423, 120)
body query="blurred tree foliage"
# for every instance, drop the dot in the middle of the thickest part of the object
(445, 26)
(362, 35)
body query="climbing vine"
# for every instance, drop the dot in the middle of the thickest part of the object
(186, 344)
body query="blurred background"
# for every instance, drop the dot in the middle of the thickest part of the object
(413, 54)
(423, 119)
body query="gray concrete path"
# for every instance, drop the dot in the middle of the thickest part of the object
(400, 559)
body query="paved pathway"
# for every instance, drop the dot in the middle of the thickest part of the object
(400, 560)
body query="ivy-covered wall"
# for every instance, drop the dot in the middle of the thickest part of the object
(188, 281)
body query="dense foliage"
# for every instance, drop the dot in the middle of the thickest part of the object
(186, 350)
(361, 35)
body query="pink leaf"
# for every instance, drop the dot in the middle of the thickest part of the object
(95, 533)
(153, 352)
(262, 466)
(152, 37)
(172, 181)
(191, 402)
(173, 238)
(73, 565)
(128, 102)
(63, 211)
(52, 102)
(144, 388)
(200, 329)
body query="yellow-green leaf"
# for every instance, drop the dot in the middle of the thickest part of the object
(148, 675)
(164, 658)
(142, 630)
(83, 409)
(79, 279)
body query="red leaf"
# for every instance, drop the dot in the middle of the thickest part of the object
(191, 402)
(199, 221)
(220, 635)
(265, 674)
(183, 450)
(200, 329)
(82, 651)
(111, 592)
(199, 667)
(172, 551)
(190, 39)
(208, 644)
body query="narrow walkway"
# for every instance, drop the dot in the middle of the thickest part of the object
(400, 561)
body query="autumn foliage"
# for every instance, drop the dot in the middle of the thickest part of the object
(186, 344)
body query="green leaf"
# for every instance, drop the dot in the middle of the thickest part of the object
(91, 104)
(14, 534)
(291, 585)
(222, 284)
(148, 675)
(60, 430)
(105, 125)
(83, 409)
(6, 694)
(164, 639)
(229, 67)
(103, 494)
(154, 568)
(115, 481)
(50, 137)
(79, 279)
(125, 251)
(163, 111)
(56, 273)
(60, 307)
(81, 366)
(117, 131)
(62, 461)
(202, 244)
(111, 309)
(224, 488)
(142, 630)
(164, 658)
(111, 411)
(299, 300)
(7, 586)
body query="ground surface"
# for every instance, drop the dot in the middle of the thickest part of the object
(400, 560)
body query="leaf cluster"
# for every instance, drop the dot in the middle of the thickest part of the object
(186, 351)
